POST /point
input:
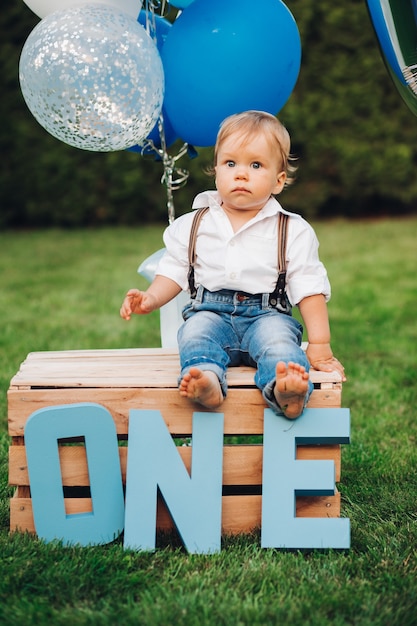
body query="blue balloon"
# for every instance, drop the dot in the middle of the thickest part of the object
(395, 25)
(222, 58)
(182, 4)
(162, 27)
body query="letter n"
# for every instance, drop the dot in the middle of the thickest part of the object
(194, 502)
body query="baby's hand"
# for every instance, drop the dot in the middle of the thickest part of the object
(132, 303)
(321, 358)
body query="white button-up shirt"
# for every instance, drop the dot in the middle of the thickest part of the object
(245, 260)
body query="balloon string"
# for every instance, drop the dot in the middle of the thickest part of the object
(160, 5)
(173, 178)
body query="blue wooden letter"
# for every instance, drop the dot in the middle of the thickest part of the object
(194, 503)
(95, 424)
(284, 478)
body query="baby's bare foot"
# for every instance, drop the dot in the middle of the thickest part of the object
(291, 388)
(202, 387)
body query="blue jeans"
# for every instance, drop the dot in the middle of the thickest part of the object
(225, 328)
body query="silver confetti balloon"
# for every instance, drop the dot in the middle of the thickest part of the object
(93, 78)
(42, 8)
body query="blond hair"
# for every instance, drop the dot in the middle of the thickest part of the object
(251, 123)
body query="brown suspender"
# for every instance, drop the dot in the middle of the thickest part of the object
(191, 248)
(282, 241)
(278, 296)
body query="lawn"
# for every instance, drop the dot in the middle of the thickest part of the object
(62, 290)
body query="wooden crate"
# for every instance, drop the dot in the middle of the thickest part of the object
(121, 380)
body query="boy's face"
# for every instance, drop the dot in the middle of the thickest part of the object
(248, 171)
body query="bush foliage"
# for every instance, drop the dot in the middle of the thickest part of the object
(354, 136)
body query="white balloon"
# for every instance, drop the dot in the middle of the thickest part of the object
(170, 315)
(93, 78)
(42, 8)
(170, 319)
(148, 267)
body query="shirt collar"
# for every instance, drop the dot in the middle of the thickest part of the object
(209, 198)
(212, 199)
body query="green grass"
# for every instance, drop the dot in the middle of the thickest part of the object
(62, 290)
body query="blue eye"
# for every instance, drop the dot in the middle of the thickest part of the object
(230, 163)
(256, 165)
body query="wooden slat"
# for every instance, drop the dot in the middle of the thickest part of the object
(325, 398)
(240, 514)
(243, 408)
(242, 464)
(120, 368)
